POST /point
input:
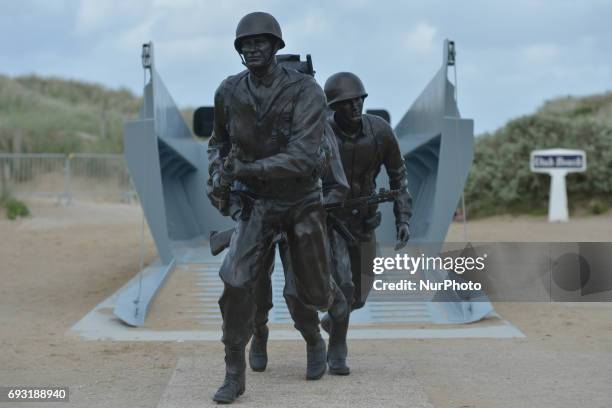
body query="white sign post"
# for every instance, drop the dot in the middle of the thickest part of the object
(558, 163)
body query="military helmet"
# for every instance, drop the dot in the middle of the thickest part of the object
(343, 86)
(258, 23)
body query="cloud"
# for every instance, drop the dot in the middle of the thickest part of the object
(95, 15)
(92, 15)
(193, 49)
(131, 38)
(355, 4)
(421, 39)
(538, 54)
(511, 56)
(306, 29)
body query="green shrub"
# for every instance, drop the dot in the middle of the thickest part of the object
(597, 206)
(61, 116)
(55, 115)
(501, 182)
(16, 208)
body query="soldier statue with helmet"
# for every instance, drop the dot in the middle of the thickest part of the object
(266, 146)
(366, 143)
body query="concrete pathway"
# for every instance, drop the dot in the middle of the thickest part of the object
(283, 384)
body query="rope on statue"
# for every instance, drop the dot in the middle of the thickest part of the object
(146, 64)
(452, 61)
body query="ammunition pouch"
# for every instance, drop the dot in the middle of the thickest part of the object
(372, 222)
(246, 206)
(218, 194)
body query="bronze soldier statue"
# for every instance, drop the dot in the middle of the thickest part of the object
(366, 143)
(268, 128)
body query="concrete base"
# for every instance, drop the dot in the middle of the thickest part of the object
(283, 384)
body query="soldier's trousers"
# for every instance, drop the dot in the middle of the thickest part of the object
(352, 266)
(305, 319)
(351, 269)
(302, 222)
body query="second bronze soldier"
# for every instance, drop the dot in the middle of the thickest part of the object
(366, 143)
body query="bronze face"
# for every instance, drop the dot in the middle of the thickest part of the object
(258, 51)
(349, 111)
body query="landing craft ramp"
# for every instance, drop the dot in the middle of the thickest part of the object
(169, 169)
(185, 309)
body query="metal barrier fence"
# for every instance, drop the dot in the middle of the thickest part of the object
(81, 175)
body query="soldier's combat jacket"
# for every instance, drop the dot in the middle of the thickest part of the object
(281, 133)
(363, 156)
(275, 124)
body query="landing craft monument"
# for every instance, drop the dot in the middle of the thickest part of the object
(435, 143)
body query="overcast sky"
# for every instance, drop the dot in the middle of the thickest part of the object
(511, 55)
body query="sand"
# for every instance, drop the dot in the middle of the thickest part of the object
(61, 262)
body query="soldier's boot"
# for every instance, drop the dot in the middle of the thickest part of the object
(234, 382)
(336, 325)
(258, 353)
(343, 297)
(315, 356)
(339, 309)
(337, 348)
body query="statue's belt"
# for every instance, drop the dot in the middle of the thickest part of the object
(281, 188)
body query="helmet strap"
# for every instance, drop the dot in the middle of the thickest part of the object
(243, 62)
